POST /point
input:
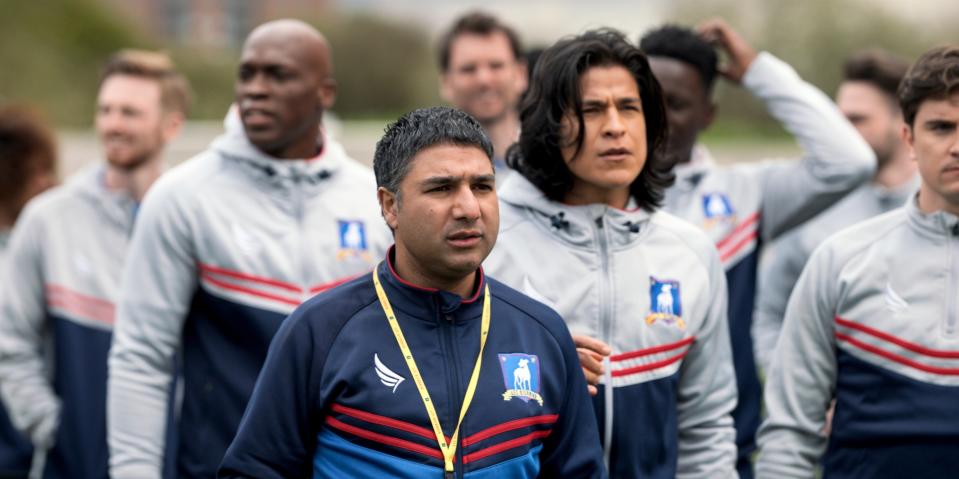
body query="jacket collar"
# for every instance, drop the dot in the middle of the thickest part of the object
(937, 224)
(426, 303)
(688, 175)
(118, 207)
(576, 225)
(284, 174)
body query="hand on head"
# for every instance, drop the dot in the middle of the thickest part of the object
(740, 54)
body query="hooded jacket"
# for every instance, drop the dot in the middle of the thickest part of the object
(743, 206)
(227, 244)
(336, 398)
(58, 301)
(652, 287)
(15, 449)
(874, 324)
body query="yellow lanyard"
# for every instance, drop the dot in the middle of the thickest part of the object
(448, 450)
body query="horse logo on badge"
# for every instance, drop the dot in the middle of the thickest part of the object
(521, 376)
(665, 303)
(717, 208)
(352, 240)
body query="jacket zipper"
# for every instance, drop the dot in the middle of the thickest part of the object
(606, 323)
(453, 384)
(300, 213)
(952, 315)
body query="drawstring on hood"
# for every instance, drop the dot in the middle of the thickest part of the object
(234, 144)
(557, 221)
(574, 224)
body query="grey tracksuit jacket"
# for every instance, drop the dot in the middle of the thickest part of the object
(226, 245)
(742, 206)
(874, 324)
(788, 254)
(652, 287)
(61, 282)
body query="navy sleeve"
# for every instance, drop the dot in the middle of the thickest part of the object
(573, 448)
(277, 436)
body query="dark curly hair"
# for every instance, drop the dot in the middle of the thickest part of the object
(683, 44)
(27, 148)
(555, 91)
(935, 75)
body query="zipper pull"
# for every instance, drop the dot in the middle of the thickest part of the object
(955, 229)
(599, 222)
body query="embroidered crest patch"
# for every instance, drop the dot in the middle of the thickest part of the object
(352, 240)
(665, 303)
(521, 377)
(717, 208)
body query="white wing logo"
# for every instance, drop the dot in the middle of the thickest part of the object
(387, 376)
(894, 302)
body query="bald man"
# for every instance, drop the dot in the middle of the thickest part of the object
(226, 245)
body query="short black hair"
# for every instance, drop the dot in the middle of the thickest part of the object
(477, 23)
(419, 130)
(879, 68)
(683, 44)
(935, 75)
(555, 93)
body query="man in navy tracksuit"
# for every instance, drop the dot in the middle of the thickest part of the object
(501, 394)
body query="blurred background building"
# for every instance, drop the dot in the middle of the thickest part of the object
(384, 52)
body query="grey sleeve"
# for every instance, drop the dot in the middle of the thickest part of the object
(707, 392)
(801, 380)
(787, 257)
(159, 280)
(835, 160)
(25, 387)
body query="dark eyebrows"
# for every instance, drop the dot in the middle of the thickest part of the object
(438, 181)
(629, 100)
(483, 179)
(939, 123)
(449, 180)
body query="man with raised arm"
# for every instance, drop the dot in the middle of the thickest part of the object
(743, 206)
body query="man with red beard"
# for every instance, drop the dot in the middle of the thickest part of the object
(63, 271)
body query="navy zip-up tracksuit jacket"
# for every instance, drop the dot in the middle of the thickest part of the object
(336, 399)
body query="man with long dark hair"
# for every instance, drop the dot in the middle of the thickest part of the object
(642, 292)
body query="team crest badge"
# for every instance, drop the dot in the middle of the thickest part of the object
(521, 375)
(352, 240)
(665, 304)
(717, 208)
